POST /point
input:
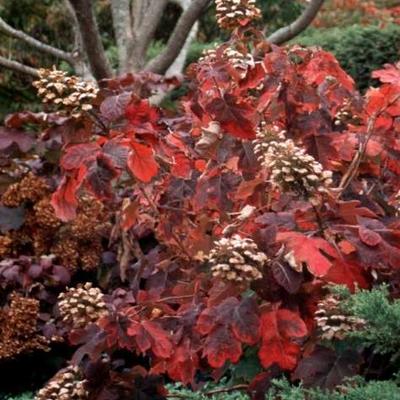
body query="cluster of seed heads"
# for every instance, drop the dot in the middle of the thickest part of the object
(292, 169)
(234, 13)
(29, 189)
(81, 306)
(67, 384)
(237, 259)
(68, 93)
(333, 322)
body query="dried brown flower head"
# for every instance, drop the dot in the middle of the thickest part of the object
(19, 331)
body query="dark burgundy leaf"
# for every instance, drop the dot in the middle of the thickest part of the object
(99, 177)
(117, 153)
(8, 137)
(287, 277)
(246, 322)
(326, 369)
(76, 155)
(113, 107)
(237, 118)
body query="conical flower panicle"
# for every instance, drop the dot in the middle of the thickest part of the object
(241, 62)
(237, 259)
(292, 169)
(333, 322)
(67, 384)
(68, 93)
(81, 306)
(234, 13)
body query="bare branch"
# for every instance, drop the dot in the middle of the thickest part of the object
(91, 38)
(163, 61)
(299, 25)
(122, 23)
(18, 67)
(37, 44)
(149, 24)
(78, 53)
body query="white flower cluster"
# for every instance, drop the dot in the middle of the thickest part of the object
(237, 259)
(292, 169)
(395, 202)
(241, 62)
(233, 13)
(67, 384)
(332, 322)
(68, 93)
(345, 115)
(81, 306)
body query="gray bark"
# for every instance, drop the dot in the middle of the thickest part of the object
(299, 25)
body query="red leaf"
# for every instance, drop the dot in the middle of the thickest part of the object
(282, 352)
(183, 364)
(369, 237)
(350, 210)
(236, 117)
(278, 329)
(221, 347)
(309, 250)
(389, 74)
(291, 325)
(212, 316)
(64, 199)
(76, 155)
(129, 214)
(346, 273)
(245, 321)
(142, 116)
(141, 162)
(161, 344)
(182, 167)
(148, 335)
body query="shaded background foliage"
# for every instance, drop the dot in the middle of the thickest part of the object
(46, 22)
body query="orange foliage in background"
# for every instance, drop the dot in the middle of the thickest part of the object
(348, 12)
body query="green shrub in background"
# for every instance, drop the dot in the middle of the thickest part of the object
(359, 49)
(23, 396)
(283, 390)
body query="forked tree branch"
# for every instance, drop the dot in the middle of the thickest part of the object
(37, 44)
(299, 25)
(18, 67)
(147, 27)
(164, 60)
(91, 38)
(122, 23)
